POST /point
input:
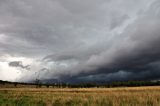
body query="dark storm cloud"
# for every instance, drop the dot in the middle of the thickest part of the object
(45, 27)
(133, 51)
(83, 41)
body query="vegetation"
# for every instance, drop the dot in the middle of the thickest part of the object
(85, 94)
(39, 84)
(128, 96)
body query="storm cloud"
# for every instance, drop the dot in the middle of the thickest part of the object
(70, 40)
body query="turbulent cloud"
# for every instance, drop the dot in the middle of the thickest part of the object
(82, 41)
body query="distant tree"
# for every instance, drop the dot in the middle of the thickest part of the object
(47, 85)
(38, 83)
(15, 84)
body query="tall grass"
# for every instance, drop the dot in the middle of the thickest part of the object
(136, 96)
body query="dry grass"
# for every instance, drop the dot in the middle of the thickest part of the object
(135, 96)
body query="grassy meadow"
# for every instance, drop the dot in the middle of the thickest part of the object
(133, 96)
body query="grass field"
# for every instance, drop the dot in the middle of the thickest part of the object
(135, 96)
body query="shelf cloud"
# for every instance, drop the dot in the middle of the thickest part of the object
(80, 41)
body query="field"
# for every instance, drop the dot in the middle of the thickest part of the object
(134, 96)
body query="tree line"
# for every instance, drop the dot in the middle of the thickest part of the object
(39, 84)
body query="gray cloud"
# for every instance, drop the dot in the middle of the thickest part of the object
(19, 64)
(116, 40)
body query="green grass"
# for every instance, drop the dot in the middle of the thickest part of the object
(136, 96)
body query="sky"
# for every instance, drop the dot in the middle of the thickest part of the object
(79, 41)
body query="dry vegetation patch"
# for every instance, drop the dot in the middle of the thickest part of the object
(133, 96)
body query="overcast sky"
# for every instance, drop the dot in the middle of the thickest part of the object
(75, 40)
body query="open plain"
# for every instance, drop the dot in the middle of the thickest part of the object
(125, 96)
